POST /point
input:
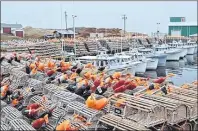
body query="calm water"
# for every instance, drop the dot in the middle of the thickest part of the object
(185, 70)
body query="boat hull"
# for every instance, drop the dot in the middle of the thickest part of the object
(173, 56)
(129, 70)
(195, 50)
(190, 59)
(183, 53)
(162, 60)
(152, 64)
(190, 50)
(141, 67)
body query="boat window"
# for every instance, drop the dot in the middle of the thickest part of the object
(97, 63)
(102, 63)
(107, 62)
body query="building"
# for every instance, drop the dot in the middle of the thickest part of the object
(63, 34)
(98, 35)
(179, 27)
(14, 29)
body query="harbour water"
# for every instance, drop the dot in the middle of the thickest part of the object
(185, 70)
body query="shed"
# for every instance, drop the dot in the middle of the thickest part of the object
(18, 32)
(7, 28)
(63, 34)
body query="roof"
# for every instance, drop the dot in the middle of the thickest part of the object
(182, 24)
(11, 25)
(65, 32)
(194, 35)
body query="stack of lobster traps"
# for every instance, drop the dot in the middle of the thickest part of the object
(145, 112)
(180, 104)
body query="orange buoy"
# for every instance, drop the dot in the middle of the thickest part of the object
(101, 103)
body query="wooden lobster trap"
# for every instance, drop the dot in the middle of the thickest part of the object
(4, 126)
(66, 97)
(82, 115)
(15, 63)
(5, 67)
(9, 113)
(175, 111)
(57, 115)
(113, 122)
(143, 111)
(49, 89)
(190, 103)
(35, 84)
(184, 92)
(39, 76)
(19, 78)
(3, 104)
(20, 124)
(78, 108)
(190, 87)
(39, 99)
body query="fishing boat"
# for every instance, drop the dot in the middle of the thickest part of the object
(138, 57)
(152, 60)
(179, 45)
(191, 47)
(172, 53)
(110, 63)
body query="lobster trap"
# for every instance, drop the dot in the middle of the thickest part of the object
(175, 111)
(38, 99)
(35, 84)
(39, 76)
(9, 113)
(20, 124)
(184, 92)
(19, 78)
(190, 87)
(143, 111)
(78, 108)
(66, 97)
(5, 67)
(3, 104)
(113, 122)
(4, 126)
(190, 103)
(49, 89)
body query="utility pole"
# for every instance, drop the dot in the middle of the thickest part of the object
(124, 17)
(74, 16)
(66, 19)
(158, 30)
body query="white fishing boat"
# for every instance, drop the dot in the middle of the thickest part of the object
(140, 59)
(191, 47)
(179, 45)
(110, 63)
(172, 53)
(152, 60)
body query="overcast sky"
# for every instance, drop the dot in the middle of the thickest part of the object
(142, 16)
